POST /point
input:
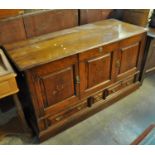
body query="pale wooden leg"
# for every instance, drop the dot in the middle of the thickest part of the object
(17, 126)
(21, 114)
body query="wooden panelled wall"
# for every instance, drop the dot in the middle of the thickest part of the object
(36, 23)
(26, 26)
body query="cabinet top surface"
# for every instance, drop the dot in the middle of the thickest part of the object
(54, 46)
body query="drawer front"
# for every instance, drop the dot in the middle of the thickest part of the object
(128, 81)
(119, 86)
(8, 87)
(114, 89)
(66, 114)
(98, 96)
(4, 87)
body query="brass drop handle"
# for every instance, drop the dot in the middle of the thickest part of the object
(113, 90)
(100, 49)
(118, 63)
(59, 118)
(128, 83)
(79, 108)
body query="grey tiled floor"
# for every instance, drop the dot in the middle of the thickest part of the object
(120, 123)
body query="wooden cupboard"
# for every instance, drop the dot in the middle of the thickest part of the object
(150, 51)
(71, 76)
(40, 22)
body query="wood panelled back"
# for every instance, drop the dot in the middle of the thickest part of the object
(49, 21)
(136, 16)
(12, 30)
(4, 13)
(92, 15)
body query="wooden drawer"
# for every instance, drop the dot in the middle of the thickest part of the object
(67, 113)
(114, 89)
(8, 87)
(102, 95)
(8, 84)
(119, 86)
(98, 96)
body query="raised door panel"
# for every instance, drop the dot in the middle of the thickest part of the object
(58, 86)
(47, 21)
(97, 70)
(12, 30)
(129, 57)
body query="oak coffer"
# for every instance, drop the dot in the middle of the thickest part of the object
(77, 72)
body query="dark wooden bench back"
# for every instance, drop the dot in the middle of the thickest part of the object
(93, 15)
(41, 22)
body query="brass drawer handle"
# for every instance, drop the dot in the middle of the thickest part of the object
(113, 90)
(118, 63)
(100, 49)
(79, 108)
(77, 79)
(59, 118)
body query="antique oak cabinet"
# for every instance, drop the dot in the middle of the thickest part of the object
(77, 72)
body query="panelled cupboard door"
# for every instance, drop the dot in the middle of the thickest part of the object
(55, 85)
(97, 68)
(129, 57)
